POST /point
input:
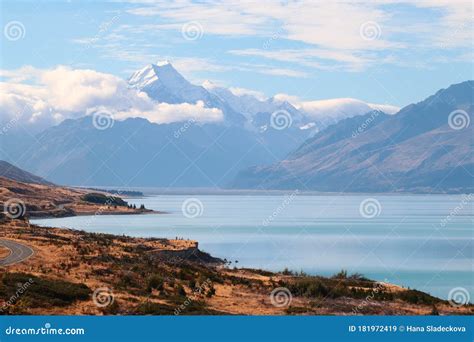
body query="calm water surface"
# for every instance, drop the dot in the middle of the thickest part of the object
(424, 242)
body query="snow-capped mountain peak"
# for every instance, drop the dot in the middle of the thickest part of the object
(163, 83)
(143, 77)
(162, 72)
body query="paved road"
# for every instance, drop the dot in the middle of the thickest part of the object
(19, 252)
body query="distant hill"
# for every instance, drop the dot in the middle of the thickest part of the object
(12, 172)
(19, 199)
(425, 147)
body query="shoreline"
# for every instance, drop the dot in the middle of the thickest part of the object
(95, 214)
(156, 275)
(152, 192)
(95, 260)
(325, 273)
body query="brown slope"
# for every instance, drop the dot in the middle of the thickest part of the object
(38, 200)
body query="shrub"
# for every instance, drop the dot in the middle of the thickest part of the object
(155, 281)
(98, 198)
(42, 292)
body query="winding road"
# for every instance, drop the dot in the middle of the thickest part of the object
(19, 252)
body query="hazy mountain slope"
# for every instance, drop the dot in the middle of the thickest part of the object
(136, 152)
(414, 150)
(12, 172)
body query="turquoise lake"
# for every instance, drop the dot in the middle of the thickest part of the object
(419, 241)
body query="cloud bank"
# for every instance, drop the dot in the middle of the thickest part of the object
(41, 98)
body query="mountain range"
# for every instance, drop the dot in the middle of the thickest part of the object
(425, 147)
(137, 152)
(326, 145)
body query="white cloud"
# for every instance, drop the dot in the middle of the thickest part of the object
(288, 98)
(166, 113)
(333, 28)
(243, 91)
(341, 108)
(454, 28)
(312, 58)
(282, 72)
(386, 108)
(46, 97)
(61, 93)
(216, 18)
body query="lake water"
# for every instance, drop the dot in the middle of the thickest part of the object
(424, 242)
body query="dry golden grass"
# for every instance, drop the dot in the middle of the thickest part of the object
(46, 200)
(103, 261)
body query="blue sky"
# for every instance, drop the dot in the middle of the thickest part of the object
(389, 52)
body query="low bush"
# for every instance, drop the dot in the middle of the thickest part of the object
(41, 292)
